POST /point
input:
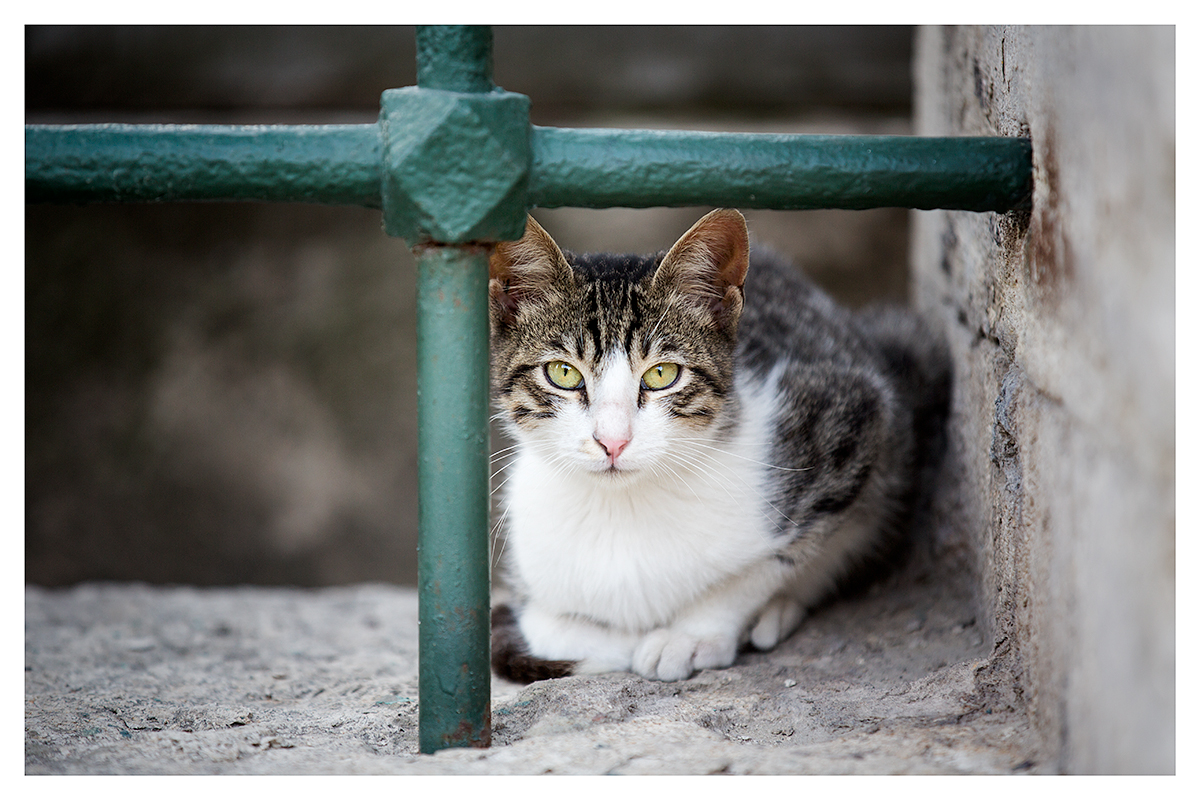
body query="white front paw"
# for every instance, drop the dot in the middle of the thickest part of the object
(670, 655)
(778, 619)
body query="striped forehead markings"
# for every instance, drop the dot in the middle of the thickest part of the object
(612, 316)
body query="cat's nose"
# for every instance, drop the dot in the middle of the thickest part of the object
(612, 446)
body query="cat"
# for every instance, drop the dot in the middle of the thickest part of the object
(699, 458)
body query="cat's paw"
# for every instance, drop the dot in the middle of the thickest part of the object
(778, 619)
(671, 655)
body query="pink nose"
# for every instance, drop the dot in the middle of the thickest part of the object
(613, 447)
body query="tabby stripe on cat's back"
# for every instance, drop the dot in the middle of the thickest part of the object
(841, 499)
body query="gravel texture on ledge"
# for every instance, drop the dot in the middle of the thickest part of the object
(137, 679)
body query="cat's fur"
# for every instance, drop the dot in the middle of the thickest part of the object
(657, 530)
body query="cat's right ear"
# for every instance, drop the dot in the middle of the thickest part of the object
(530, 269)
(707, 266)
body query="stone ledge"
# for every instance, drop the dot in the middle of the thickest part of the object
(133, 679)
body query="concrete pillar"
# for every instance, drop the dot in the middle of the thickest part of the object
(1062, 325)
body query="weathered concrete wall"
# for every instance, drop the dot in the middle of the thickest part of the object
(1062, 325)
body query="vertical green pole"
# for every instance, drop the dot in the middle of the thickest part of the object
(452, 358)
(452, 407)
(454, 58)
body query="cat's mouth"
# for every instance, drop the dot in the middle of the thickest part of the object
(610, 469)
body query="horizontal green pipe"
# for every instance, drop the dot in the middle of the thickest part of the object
(329, 164)
(601, 168)
(588, 168)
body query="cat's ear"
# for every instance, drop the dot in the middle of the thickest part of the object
(531, 268)
(708, 264)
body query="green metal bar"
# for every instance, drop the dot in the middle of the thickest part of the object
(600, 168)
(454, 58)
(453, 563)
(583, 168)
(452, 567)
(331, 164)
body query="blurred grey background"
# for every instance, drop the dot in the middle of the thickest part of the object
(225, 393)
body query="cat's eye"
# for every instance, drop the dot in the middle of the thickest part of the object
(660, 376)
(563, 375)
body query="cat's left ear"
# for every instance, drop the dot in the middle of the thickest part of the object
(708, 264)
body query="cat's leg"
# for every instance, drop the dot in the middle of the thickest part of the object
(779, 618)
(707, 634)
(815, 577)
(594, 647)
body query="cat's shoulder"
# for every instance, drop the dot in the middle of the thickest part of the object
(774, 280)
(787, 315)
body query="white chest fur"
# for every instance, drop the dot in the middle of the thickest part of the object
(634, 552)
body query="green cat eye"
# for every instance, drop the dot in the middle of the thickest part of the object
(660, 376)
(563, 375)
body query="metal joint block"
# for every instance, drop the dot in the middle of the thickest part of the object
(455, 165)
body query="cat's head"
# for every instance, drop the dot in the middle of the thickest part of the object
(603, 363)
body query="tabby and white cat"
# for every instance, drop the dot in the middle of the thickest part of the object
(696, 464)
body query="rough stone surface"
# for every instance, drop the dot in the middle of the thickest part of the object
(1061, 322)
(134, 679)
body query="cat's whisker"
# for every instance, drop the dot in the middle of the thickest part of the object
(500, 469)
(511, 459)
(704, 443)
(678, 478)
(545, 449)
(558, 462)
(694, 465)
(698, 467)
(498, 486)
(750, 486)
(498, 532)
(650, 336)
(506, 450)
